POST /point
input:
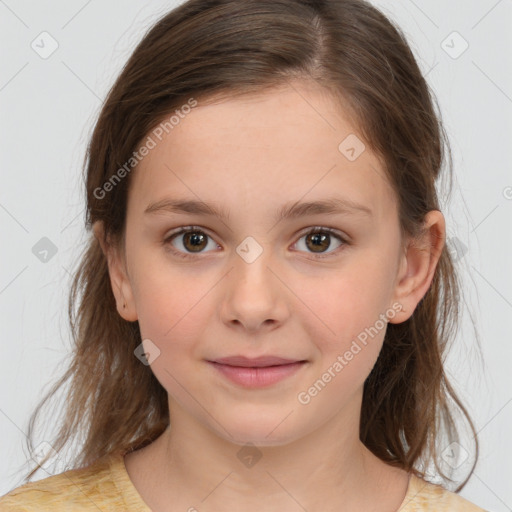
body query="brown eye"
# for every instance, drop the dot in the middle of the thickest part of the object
(194, 241)
(319, 240)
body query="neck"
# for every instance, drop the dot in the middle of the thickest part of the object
(327, 469)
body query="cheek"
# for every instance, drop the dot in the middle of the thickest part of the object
(347, 344)
(171, 315)
(170, 307)
(164, 293)
(347, 315)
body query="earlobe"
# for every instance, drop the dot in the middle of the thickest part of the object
(119, 281)
(418, 265)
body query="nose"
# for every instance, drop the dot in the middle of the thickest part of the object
(254, 294)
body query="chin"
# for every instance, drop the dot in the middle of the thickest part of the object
(260, 431)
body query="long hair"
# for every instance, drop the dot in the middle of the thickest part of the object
(221, 49)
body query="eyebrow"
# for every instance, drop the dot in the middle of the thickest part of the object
(329, 206)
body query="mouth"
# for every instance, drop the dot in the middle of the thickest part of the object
(257, 372)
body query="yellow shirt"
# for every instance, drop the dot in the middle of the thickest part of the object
(106, 486)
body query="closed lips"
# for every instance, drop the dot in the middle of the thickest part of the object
(258, 362)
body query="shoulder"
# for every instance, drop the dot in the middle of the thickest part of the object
(90, 488)
(422, 496)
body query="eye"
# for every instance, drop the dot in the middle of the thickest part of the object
(195, 239)
(318, 238)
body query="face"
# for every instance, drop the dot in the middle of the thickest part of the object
(249, 282)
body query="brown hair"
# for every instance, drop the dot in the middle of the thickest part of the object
(207, 49)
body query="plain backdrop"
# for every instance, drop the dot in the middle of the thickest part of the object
(48, 106)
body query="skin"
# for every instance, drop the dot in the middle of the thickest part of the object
(252, 155)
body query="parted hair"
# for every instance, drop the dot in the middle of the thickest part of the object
(221, 49)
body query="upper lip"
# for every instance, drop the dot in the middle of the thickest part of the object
(255, 362)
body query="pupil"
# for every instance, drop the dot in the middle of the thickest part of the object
(319, 241)
(195, 239)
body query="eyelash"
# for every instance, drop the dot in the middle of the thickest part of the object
(315, 230)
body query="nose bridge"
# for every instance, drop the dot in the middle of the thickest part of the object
(253, 295)
(250, 250)
(252, 261)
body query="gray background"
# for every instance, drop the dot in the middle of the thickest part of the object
(48, 108)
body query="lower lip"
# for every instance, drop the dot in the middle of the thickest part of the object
(257, 377)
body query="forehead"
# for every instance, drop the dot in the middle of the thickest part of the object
(269, 148)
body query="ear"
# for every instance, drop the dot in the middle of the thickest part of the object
(119, 280)
(417, 266)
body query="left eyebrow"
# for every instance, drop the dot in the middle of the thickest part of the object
(329, 206)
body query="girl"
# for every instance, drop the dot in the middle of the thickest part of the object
(266, 300)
